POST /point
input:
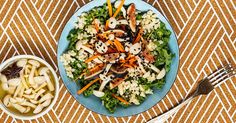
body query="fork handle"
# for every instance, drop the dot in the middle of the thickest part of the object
(163, 117)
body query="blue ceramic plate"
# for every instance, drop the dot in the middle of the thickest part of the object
(93, 103)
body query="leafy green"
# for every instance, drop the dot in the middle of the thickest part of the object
(162, 52)
(83, 82)
(73, 37)
(142, 81)
(140, 99)
(162, 25)
(78, 67)
(164, 58)
(100, 13)
(138, 16)
(149, 85)
(158, 84)
(159, 33)
(88, 92)
(109, 101)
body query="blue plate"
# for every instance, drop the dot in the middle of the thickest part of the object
(93, 103)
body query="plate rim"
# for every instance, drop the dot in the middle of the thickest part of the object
(110, 114)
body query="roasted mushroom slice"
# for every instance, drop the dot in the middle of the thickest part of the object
(111, 50)
(118, 69)
(131, 17)
(116, 32)
(112, 57)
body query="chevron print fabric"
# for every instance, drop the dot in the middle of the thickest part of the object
(206, 32)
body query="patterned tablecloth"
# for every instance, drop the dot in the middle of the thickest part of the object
(206, 31)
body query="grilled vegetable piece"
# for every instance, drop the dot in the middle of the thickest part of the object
(139, 36)
(112, 57)
(132, 17)
(116, 32)
(118, 69)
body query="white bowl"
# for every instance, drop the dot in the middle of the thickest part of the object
(22, 116)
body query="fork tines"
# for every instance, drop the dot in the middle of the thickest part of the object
(221, 74)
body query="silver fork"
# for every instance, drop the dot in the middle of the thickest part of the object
(205, 86)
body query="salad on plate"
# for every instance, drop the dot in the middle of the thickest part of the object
(118, 54)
